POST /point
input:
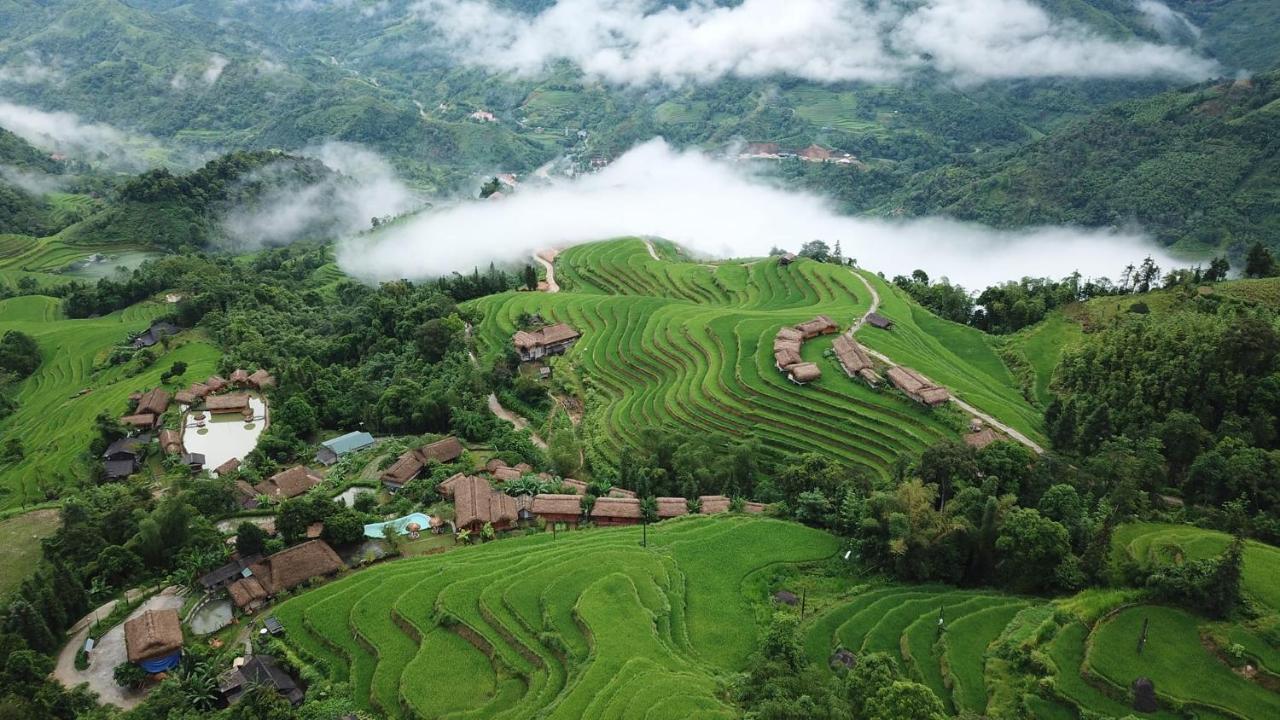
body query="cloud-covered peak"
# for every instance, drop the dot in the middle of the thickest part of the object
(643, 42)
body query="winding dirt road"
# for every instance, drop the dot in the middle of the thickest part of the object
(875, 305)
(652, 253)
(547, 259)
(497, 409)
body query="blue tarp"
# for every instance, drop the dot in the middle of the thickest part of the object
(160, 664)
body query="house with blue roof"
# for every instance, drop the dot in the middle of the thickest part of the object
(332, 450)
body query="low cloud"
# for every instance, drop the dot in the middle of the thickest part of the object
(213, 70)
(642, 42)
(67, 134)
(718, 209)
(1171, 24)
(364, 187)
(35, 183)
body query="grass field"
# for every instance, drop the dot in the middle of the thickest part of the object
(1150, 542)
(20, 538)
(55, 421)
(903, 622)
(1042, 345)
(675, 342)
(44, 259)
(586, 625)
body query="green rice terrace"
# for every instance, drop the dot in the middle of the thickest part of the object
(57, 405)
(674, 341)
(589, 624)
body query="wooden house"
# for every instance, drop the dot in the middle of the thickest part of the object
(549, 340)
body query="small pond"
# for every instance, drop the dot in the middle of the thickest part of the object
(224, 436)
(212, 616)
(96, 267)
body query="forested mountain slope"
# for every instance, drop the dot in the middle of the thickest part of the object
(1196, 168)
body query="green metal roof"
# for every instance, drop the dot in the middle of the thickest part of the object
(350, 442)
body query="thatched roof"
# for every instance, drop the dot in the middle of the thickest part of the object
(288, 483)
(669, 507)
(753, 507)
(785, 359)
(805, 372)
(198, 389)
(821, 325)
(293, 566)
(712, 504)
(494, 464)
(404, 469)
(615, 507)
(450, 484)
(476, 503)
(789, 333)
(548, 504)
(239, 377)
(577, 486)
(879, 321)
(524, 468)
(186, 397)
(506, 474)
(549, 335)
(618, 492)
(232, 402)
(154, 401)
(917, 386)
(246, 591)
(262, 379)
(154, 633)
(170, 441)
(853, 358)
(782, 345)
(442, 451)
(981, 438)
(215, 383)
(935, 395)
(139, 420)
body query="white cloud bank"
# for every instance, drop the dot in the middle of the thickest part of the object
(640, 42)
(365, 187)
(716, 209)
(67, 134)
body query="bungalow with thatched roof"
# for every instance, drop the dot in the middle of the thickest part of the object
(239, 378)
(876, 320)
(712, 504)
(228, 573)
(804, 373)
(411, 462)
(979, 435)
(154, 402)
(284, 570)
(557, 508)
(153, 640)
(669, 507)
(139, 421)
(229, 403)
(786, 359)
(198, 389)
(229, 466)
(185, 397)
(261, 379)
(476, 504)
(549, 340)
(288, 483)
(170, 441)
(506, 474)
(616, 511)
(216, 383)
(786, 259)
(855, 360)
(917, 387)
(821, 325)
(577, 487)
(754, 507)
(617, 492)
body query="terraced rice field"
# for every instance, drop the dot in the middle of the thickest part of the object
(903, 622)
(54, 420)
(589, 625)
(672, 342)
(1147, 543)
(44, 258)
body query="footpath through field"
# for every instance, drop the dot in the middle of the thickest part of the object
(547, 259)
(875, 305)
(497, 409)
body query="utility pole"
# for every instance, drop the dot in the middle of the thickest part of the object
(1142, 639)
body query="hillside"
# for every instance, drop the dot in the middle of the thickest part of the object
(676, 342)
(1197, 168)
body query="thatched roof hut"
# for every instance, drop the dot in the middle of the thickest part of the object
(669, 507)
(877, 320)
(821, 325)
(804, 373)
(247, 592)
(239, 378)
(506, 474)
(557, 508)
(216, 383)
(450, 484)
(198, 389)
(789, 333)
(786, 359)
(712, 504)
(141, 421)
(230, 403)
(917, 387)
(154, 401)
(170, 441)
(411, 462)
(577, 486)
(616, 511)
(288, 483)
(285, 570)
(476, 504)
(754, 507)
(154, 639)
(618, 492)
(261, 379)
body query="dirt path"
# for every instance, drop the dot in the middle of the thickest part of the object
(108, 653)
(547, 259)
(652, 253)
(875, 305)
(521, 424)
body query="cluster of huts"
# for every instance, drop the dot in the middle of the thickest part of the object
(251, 582)
(786, 348)
(917, 387)
(548, 340)
(410, 463)
(209, 393)
(285, 484)
(855, 360)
